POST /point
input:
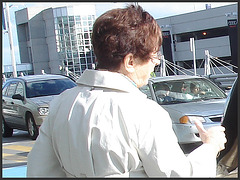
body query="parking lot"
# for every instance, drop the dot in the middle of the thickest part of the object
(16, 148)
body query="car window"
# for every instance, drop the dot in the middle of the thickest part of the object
(11, 89)
(187, 90)
(48, 87)
(19, 89)
(4, 91)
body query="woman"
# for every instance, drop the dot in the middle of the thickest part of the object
(195, 90)
(105, 127)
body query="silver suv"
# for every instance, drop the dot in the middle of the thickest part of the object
(25, 101)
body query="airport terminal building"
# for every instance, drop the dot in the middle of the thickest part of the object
(57, 38)
(213, 29)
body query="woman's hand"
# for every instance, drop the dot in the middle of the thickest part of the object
(214, 135)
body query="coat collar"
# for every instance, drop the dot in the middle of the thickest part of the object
(107, 79)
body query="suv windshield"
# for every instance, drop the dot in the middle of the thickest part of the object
(186, 90)
(48, 87)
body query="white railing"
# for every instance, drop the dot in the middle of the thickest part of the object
(223, 75)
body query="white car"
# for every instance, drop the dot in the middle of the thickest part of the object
(187, 98)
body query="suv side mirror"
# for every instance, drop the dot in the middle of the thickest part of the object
(18, 96)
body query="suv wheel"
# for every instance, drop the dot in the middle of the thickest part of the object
(6, 130)
(32, 128)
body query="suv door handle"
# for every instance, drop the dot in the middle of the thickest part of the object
(12, 102)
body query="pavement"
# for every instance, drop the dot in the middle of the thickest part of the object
(19, 172)
(14, 155)
(15, 160)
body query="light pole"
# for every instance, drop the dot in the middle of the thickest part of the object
(192, 47)
(9, 31)
(207, 63)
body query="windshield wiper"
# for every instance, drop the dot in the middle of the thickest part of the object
(208, 98)
(174, 102)
(218, 98)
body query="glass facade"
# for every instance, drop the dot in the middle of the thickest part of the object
(73, 37)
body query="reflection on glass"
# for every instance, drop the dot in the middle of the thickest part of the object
(69, 35)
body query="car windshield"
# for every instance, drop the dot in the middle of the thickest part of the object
(182, 91)
(48, 87)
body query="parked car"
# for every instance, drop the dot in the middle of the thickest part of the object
(187, 98)
(228, 158)
(25, 101)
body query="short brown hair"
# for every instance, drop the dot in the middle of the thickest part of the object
(119, 32)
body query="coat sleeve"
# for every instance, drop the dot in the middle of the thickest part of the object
(161, 154)
(42, 160)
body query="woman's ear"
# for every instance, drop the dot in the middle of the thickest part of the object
(129, 63)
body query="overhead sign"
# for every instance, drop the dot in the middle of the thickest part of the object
(232, 22)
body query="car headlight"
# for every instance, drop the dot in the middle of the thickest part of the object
(191, 119)
(43, 111)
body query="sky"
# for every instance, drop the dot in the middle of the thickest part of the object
(156, 9)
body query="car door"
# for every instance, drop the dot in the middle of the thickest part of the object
(19, 106)
(8, 109)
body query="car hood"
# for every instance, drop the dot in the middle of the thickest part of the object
(43, 100)
(203, 108)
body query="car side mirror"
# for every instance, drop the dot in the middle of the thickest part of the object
(18, 96)
(228, 88)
